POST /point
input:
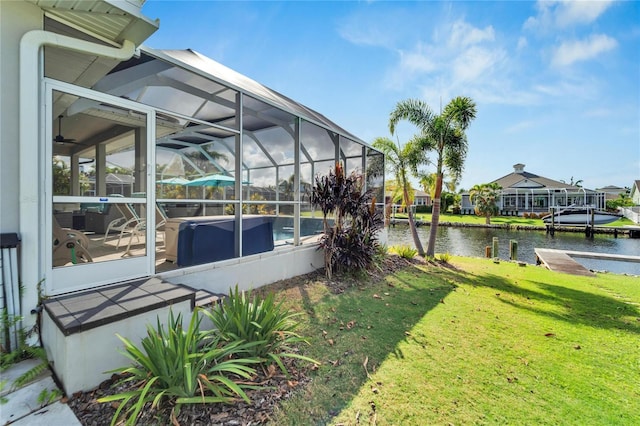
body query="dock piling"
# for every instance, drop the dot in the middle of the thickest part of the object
(513, 250)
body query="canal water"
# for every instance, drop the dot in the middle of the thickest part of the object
(472, 242)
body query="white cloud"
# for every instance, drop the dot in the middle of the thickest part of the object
(463, 35)
(459, 58)
(569, 13)
(418, 60)
(564, 14)
(367, 36)
(582, 50)
(577, 88)
(372, 26)
(475, 62)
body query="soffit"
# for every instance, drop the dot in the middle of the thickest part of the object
(109, 21)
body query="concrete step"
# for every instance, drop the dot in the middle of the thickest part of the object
(35, 403)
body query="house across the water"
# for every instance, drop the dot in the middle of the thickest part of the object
(137, 179)
(524, 191)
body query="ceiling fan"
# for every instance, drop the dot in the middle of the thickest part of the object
(61, 139)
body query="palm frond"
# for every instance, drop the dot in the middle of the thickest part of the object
(415, 111)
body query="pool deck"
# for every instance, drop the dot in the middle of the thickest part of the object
(562, 260)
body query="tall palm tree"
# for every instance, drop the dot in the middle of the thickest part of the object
(402, 161)
(485, 198)
(443, 134)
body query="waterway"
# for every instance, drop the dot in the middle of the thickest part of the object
(472, 242)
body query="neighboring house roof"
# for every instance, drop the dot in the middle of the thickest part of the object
(519, 179)
(119, 178)
(417, 193)
(611, 189)
(635, 188)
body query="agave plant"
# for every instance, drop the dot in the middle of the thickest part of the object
(182, 366)
(266, 327)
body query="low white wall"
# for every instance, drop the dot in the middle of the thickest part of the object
(251, 271)
(80, 360)
(632, 213)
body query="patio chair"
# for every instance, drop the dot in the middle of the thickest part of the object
(140, 228)
(126, 223)
(69, 246)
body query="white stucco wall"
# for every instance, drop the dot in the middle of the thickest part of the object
(16, 18)
(249, 272)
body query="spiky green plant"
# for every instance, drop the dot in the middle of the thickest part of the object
(444, 257)
(264, 323)
(405, 251)
(184, 366)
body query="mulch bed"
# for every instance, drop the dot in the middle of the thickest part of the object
(275, 386)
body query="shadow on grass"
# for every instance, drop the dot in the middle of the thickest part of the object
(560, 302)
(354, 332)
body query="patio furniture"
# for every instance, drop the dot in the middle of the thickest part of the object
(98, 221)
(126, 223)
(141, 226)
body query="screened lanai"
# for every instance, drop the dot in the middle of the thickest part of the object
(220, 165)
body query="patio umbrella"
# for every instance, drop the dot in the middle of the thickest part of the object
(214, 180)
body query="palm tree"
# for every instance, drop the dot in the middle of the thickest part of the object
(485, 198)
(577, 183)
(397, 193)
(401, 161)
(428, 182)
(443, 134)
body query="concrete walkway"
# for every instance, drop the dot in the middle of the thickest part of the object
(35, 403)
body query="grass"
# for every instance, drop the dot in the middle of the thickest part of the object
(478, 343)
(498, 220)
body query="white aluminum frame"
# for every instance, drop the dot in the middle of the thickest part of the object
(83, 276)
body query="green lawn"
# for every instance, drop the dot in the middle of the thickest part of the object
(511, 220)
(479, 343)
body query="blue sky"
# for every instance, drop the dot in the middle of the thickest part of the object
(557, 84)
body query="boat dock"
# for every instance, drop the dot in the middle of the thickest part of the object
(562, 260)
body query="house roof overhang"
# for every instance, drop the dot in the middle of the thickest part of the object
(110, 21)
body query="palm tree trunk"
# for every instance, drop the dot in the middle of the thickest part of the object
(412, 224)
(435, 214)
